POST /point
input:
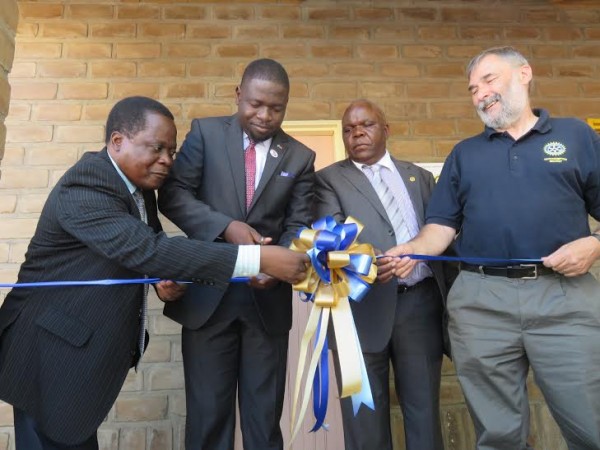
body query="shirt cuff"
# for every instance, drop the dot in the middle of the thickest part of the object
(247, 263)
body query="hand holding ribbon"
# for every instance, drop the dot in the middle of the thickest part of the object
(341, 269)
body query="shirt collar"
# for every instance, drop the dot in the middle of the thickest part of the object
(541, 126)
(385, 161)
(130, 186)
(266, 143)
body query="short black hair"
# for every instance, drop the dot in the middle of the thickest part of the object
(266, 69)
(128, 116)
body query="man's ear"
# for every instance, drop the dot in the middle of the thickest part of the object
(115, 141)
(525, 74)
(238, 92)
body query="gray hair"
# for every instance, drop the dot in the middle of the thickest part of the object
(507, 53)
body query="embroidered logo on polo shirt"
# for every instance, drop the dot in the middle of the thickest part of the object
(555, 151)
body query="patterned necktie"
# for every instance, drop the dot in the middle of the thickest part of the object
(389, 202)
(250, 163)
(139, 201)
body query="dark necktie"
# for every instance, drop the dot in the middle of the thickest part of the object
(139, 201)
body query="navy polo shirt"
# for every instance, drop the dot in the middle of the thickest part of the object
(524, 198)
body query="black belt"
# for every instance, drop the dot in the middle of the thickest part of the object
(404, 288)
(522, 271)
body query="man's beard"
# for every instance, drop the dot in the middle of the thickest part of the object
(512, 105)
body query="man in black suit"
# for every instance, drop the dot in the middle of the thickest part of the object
(65, 352)
(239, 179)
(399, 320)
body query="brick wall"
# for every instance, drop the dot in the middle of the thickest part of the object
(8, 27)
(75, 58)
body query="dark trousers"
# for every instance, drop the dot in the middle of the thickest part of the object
(415, 350)
(232, 354)
(29, 437)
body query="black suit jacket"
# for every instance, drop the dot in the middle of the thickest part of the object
(343, 190)
(206, 191)
(65, 351)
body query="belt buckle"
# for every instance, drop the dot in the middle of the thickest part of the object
(535, 271)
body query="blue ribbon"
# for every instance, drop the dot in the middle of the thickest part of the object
(321, 385)
(469, 259)
(107, 282)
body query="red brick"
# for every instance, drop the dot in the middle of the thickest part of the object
(57, 111)
(137, 51)
(405, 110)
(207, 110)
(591, 88)
(496, 15)
(224, 90)
(452, 109)
(79, 133)
(411, 149)
(186, 12)
(352, 69)
(580, 16)
(63, 29)
(184, 90)
(445, 70)
(522, 33)
(28, 30)
(138, 12)
(417, 13)
(164, 68)
(83, 91)
(161, 30)
(278, 51)
(62, 69)
(303, 31)
(236, 51)
(209, 32)
(421, 51)
(356, 33)
(233, 12)
(254, 32)
(112, 69)
(563, 34)
(36, 51)
(433, 128)
(303, 70)
(574, 70)
(437, 32)
(399, 128)
(121, 90)
(278, 12)
(590, 51)
(90, 11)
(563, 88)
(334, 90)
(465, 52)
(40, 10)
(183, 50)
(368, 51)
(393, 32)
(592, 33)
(311, 109)
(460, 15)
(328, 13)
(429, 89)
(88, 51)
(549, 51)
(374, 89)
(539, 16)
(331, 51)
(122, 30)
(481, 33)
(400, 70)
(33, 91)
(374, 14)
(212, 69)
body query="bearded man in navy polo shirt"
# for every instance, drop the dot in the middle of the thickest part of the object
(522, 189)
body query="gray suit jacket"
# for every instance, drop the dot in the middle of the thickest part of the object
(65, 351)
(343, 190)
(206, 191)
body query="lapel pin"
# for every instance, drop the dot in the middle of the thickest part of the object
(413, 179)
(274, 153)
(279, 147)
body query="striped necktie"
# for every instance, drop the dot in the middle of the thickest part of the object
(250, 164)
(139, 201)
(390, 203)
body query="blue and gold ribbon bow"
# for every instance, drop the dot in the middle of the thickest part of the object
(341, 270)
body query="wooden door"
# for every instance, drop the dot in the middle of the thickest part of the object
(324, 137)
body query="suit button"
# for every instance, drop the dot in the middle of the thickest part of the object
(391, 232)
(211, 283)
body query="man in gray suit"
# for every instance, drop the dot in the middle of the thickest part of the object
(239, 179)
(65, 352)
(399, 320)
